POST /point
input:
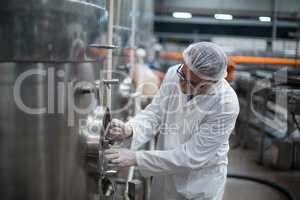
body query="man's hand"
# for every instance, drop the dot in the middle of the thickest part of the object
(118, 130)
(121, 157)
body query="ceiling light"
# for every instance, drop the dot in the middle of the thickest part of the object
(182, 15)
(223, 16)
(264, 19)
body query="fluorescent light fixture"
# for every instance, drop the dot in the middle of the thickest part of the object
(86, 3)
(223, 16)
(264, 19)
(182, 15)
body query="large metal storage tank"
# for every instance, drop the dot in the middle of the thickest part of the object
(41, 154)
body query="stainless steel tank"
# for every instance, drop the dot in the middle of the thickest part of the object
(43, 47)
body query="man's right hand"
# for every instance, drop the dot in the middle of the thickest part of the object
(118, 130)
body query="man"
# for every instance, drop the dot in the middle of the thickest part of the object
(192, 115)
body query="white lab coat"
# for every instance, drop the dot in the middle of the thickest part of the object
(190, 160)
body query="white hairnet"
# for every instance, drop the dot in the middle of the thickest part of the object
(207, 60)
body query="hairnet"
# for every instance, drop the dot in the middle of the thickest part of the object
(207, 60)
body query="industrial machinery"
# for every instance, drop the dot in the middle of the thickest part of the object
(270, 93)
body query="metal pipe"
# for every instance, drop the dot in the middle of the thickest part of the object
(132, 38)
(148, 180)
(297, 36)
(274, 24)
(108, 68)
(132, 65)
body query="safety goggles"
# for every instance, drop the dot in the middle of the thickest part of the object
(182, 77)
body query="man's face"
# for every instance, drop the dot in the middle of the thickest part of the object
(189, 82)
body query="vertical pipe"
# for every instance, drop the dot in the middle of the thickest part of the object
(132, 51)
(118, 12)
(274, 24)
(148, 180)
(297, 36)
(132, 38)
(132, 66)
(106, 88)
(108, 67)
(297, 49)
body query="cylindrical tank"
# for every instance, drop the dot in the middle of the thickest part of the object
(42, 58)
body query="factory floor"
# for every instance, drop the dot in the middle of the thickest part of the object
(244, 162)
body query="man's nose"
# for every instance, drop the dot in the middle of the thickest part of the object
(182, 83)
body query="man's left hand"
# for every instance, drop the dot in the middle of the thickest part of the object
(121, 157)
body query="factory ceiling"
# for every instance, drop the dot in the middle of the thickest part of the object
(243, 18)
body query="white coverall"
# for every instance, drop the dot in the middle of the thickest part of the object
(190, 160)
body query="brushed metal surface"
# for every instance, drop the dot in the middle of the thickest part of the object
(41, 155)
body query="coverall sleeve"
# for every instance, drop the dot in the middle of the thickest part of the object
(146, 124)
(205, 146)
